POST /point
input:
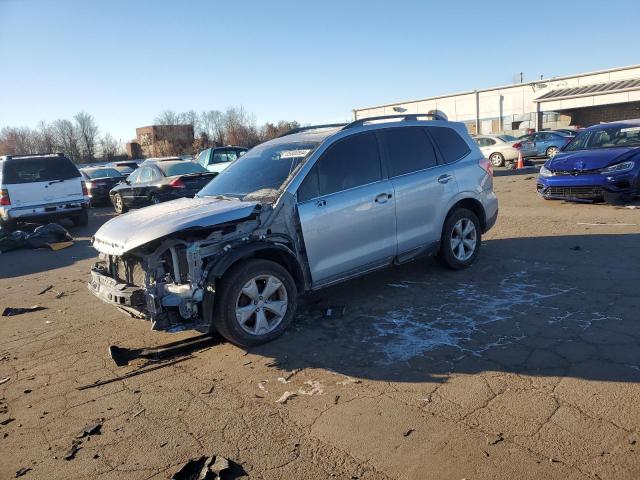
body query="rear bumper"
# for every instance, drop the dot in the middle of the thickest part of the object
(44, 212)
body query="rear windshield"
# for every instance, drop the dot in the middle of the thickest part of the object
(507, 138)
(103, 173)
(171, 169)
(42, 169)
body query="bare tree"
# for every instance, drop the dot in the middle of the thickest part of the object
(168, 117)
(45, 138)
(212, 124)
(17, 141)
(66, 137)
(191, 118)
(240, 128)
(87, 132)
(109, 147)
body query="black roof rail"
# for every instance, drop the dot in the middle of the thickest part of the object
(407, 117)
(311, 127)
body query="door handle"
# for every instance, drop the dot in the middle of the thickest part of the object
(445, 178)
(382, 198)
(321, 203)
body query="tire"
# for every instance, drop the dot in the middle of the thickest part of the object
(8, 225)
(457, 223)
(552, 152)
(81, 220)
(232, 303)
(496, 159)
(510, 164)
(118, 204)
(617, 198)
(154, 200)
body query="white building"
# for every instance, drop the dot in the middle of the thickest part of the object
(576, 100)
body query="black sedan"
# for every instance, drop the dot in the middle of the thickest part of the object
(157, 181)
(99, 180)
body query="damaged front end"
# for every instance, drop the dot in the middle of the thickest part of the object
(166, 280)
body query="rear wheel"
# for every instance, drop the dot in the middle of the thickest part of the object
(81, 220)
(118, 204)
(497, 159)
(254, 302)
(461, 237)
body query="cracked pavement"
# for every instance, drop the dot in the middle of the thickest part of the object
(525, 366)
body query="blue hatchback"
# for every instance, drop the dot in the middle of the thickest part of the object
(601, 163)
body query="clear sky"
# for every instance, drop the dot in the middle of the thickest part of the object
(124, 61)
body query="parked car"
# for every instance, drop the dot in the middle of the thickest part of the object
(124, 167)
(158, 181)
(543, 144)
(566, 131)
(99, 180)
(41, 188)
(218, 158)
(303, 211)
(499, 149)
(601, 163)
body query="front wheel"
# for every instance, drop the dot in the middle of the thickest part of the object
(551, 152)
(254, 302)
(461, 237)
(118, 204)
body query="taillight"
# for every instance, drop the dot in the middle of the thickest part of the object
(89, 185)
(486, 165)
(4, 198)
(85, 192)
(176, 183)
(517, 145)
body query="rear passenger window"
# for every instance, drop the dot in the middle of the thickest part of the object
(450, 143)
(349, 163)
(408, 150)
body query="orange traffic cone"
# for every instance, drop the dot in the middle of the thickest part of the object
(520, 161)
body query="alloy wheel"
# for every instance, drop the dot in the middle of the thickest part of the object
(464, 238)
(261, 305)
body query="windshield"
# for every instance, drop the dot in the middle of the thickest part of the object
(265, 167)
(506, 138)
(171, 169)
(613, 137)
(103, 173)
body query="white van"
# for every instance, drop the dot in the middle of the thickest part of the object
(41, 188)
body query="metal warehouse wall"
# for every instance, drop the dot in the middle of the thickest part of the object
(512, 108)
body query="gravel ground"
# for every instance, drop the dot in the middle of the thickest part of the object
(525, 366)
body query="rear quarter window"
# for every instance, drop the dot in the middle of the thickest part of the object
(43, 169)
(451, 145)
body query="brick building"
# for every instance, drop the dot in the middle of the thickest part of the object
(577, 100)
(161, 141)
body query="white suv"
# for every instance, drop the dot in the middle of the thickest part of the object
(41, 188)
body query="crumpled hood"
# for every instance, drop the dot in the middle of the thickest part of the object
(133, 229)
(589, 159)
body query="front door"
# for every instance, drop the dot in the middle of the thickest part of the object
(347, 211)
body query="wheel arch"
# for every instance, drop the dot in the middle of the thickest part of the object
(471, 204)
(276, 252)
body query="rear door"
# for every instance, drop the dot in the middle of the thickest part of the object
(347, 211)
(41, 180)
(421, 185)
(142, 188)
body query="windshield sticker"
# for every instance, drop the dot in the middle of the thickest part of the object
(629, 129)
(294, 153)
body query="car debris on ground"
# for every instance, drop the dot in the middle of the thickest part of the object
(12, 311)
(203, 468)
(51, 235)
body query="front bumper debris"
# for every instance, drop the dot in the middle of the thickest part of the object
(129, 298)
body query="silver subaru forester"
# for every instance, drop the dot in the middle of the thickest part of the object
(314, 207)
